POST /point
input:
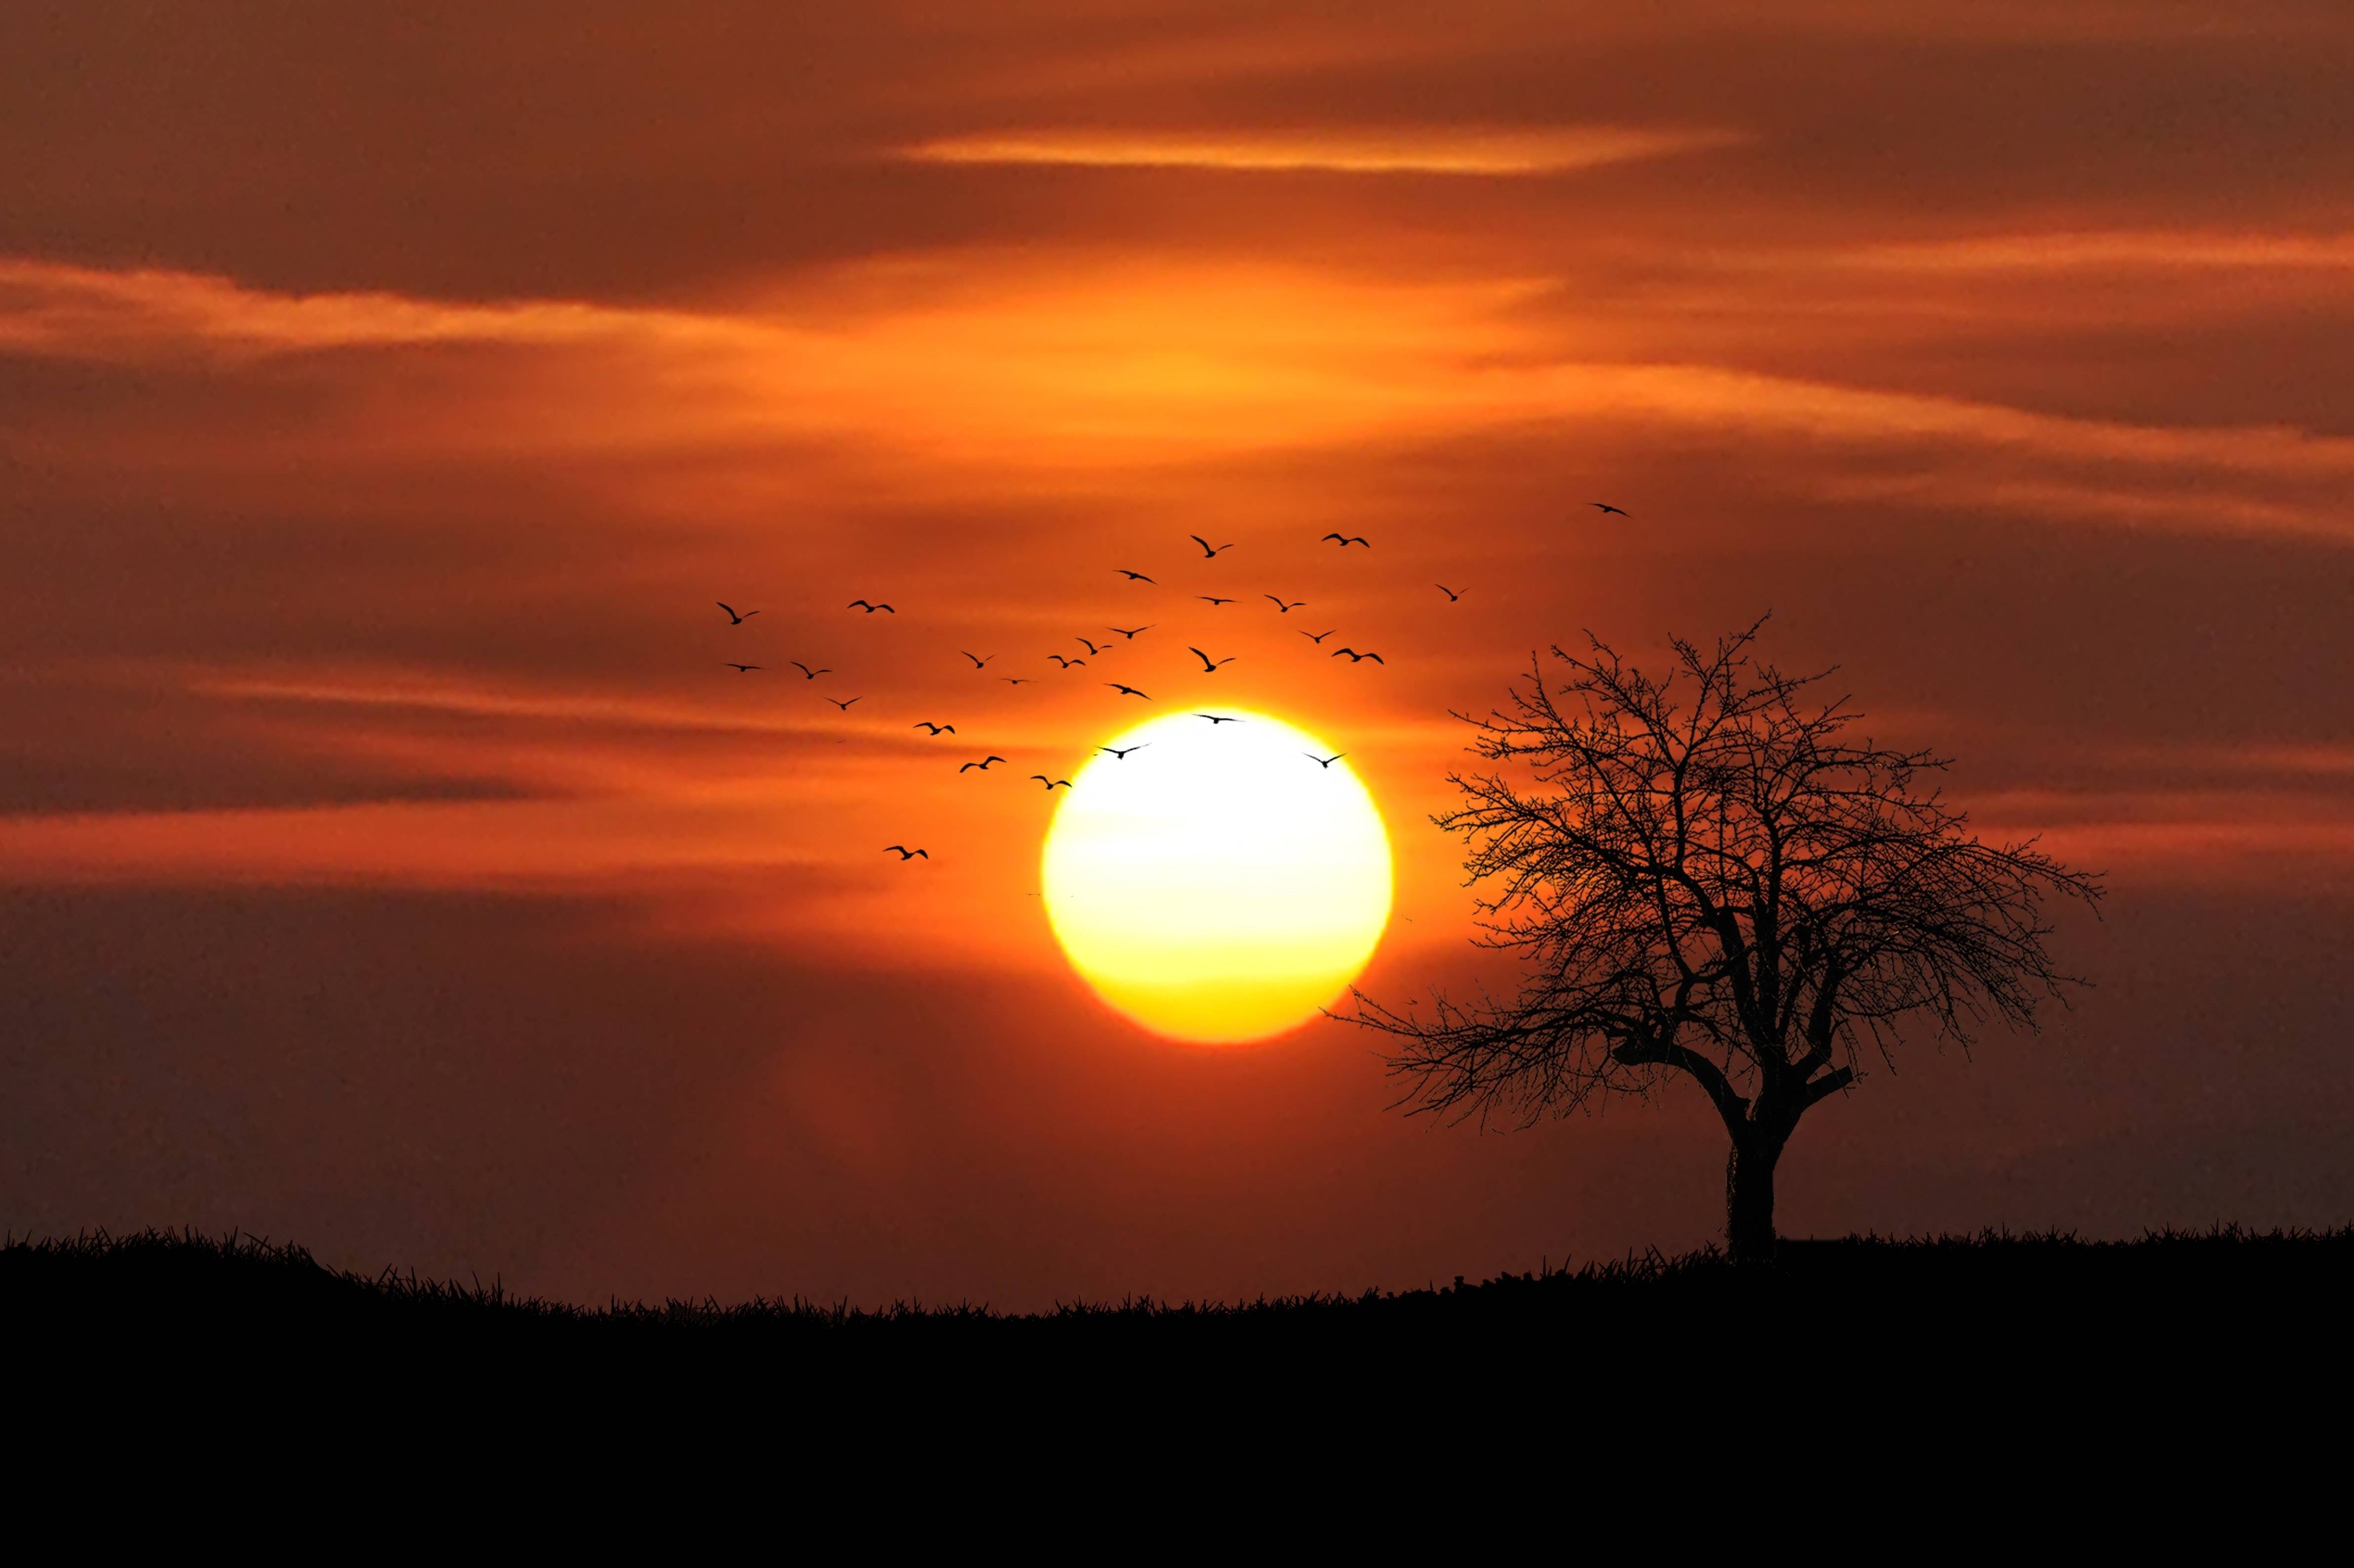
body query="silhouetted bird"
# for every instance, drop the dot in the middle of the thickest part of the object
(844, 702)
(869, 608)
(806, 670)
(1282, 607)
(1017, 681)
(1126, 691)
(745, 669)
(935, 728)
(1212, 601)
(1318, 636)
(982, 764)
(1210, 666)
(733, 618)
(1124, 631)
(1066, 664)
(1120, 753)
(1345, 541)
(1052, 784)
(1218, 718)
(1090, 647)
(1357, 658)
(1209, 551)
(1451, 594)
(1605, 507)
(977, 660)
(1132, 576)
(905, 853)
(1323, 761)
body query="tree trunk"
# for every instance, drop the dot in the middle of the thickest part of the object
(1749, 1196)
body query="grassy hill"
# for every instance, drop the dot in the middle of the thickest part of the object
(1990, 1287)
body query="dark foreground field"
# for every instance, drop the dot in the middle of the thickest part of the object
(2032, 1363)
(2228, 1299)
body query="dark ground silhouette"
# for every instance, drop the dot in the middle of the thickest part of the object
(1944, 1298)
(1997, 1372)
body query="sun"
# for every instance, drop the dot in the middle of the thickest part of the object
(1218, 883)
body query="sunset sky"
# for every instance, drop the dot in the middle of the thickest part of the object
(387, 862)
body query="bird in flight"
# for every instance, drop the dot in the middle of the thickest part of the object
(1017, 680)
(806, 670)
(1066, 664)
(1124, 631)
(1128, 691)
(905, 853)
(1218, 718)
(1089, 646)
(1210, 666)
(1606, 508)
(1357, 658)
(982, 764)
(742, 669)
(869, 608)
(1120, 753)
(1318, 636)
(977, 660)
(1132, 576)
(844, 702)
(1281, 608)
(733, 618)
(1209, 551)
(1323, 761)
(1052, 784)
(1345, 541)
(935, 728)
(1451, 594)
(1212, 601)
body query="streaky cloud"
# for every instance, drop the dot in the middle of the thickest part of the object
(1387, 151)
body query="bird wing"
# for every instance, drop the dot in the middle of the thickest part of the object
(1378, 660)
(858, 604)
(1203, 543)
(925, 853)
(1043, 779)
(988, 760)
(1332, 536)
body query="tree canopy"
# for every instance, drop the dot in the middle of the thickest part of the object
(1706, 875)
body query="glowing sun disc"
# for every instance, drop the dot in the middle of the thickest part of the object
(1217, 884)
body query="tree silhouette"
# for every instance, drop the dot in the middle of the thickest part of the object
(1702, 876)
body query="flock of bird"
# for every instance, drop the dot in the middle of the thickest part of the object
(1129, 634)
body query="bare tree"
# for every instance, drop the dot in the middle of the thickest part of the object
(1704, 876)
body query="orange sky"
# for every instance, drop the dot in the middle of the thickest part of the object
(387, 859)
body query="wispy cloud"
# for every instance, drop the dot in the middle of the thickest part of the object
(1053, 368)
(1387, 151)
(2068, 251)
